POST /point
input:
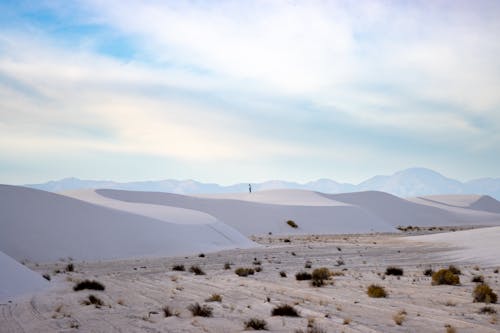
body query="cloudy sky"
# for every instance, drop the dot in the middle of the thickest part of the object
(231, 91)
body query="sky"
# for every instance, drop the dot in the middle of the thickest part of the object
(239, 91)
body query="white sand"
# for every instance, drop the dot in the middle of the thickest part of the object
(17, 280)
(43, 226)
(481, 246)
(251, 215)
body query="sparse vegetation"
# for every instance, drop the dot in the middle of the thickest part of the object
(445, 276)
(227, 265)
(243, 271)
(88, 284)
(201, 255)
(196, 270)
(376, 291)
(487, 310)
(258, 269)
(46, 276)
(308, 264)
(455, 270)
(319, 276)
(179, 268)
(394, 271)
(292, 224)
(70, 268)
(166, 311)
(284, 310)
(256, 324)
(92, 299)
(483, 293)
(198, 310)
(301, 276)
(214, 298)
(478, 279)
(399, 317)
(283, 274)
(428, 272)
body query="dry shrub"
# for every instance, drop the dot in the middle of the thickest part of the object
(292, 224)
(179, 268)
(478, 279)
(166, 311)
(242, 271)
(487, 310)
(445, 276)
(256, 324)
(214, 298)
(196, 270)
(93, 300)
(200, 310)
(319, 276)
(399, 317)
(394, 271)
(283, 274)
(88, 284)
(284, 310)
(301, 276)
(376, 291)
(483, 293)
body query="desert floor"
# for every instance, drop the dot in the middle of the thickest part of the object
(138, 290)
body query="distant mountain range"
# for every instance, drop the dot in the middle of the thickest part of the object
(406, 183)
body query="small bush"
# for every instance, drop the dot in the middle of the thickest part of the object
(376, 291)
(477, 279)
(179, 268)
(201, 255)
(87, 284)
(166, 311)
(227, 265)
(450, 329)
(242, 271)
(308, 264)
(487, 310)
(394, 271)
(283, 274)
(319, 276)
(445, 276)
(214, 298)
(196, 270)
(455, 270)
(292, 224)
(483, 293)
(258, 269)
(301, 276)
(285, 310)
(198, 310)
(311, 329)
(46, 277)
(428, 272)
(93, 300)
(70, 268)
(256, 324)
(399, 317)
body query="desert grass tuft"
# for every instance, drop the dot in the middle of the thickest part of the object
(376, 291)
(445, 276)
(256, 324)
(483, 294)
(284, 310)
(198, 310)
(88, 284)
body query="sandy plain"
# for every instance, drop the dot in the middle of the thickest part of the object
(137, 290)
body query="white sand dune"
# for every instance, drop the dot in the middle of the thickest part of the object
(483, 209)
(481, 246)
(416, 212)
(314, 213)
(280, 197)
(43, 226)
(17, 280)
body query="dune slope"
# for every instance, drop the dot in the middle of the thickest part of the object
(16, 279)
(313, 214)
(43, 226)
